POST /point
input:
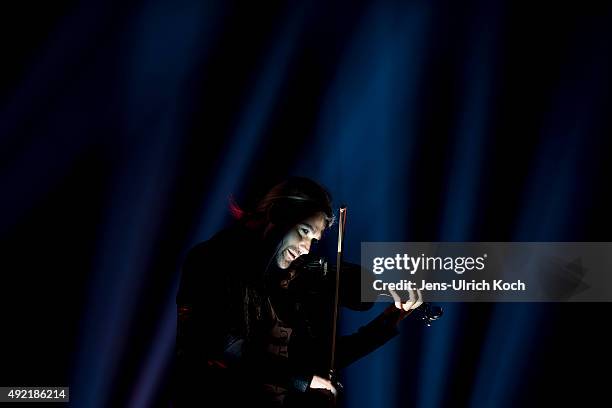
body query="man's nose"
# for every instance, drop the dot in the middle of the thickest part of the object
(304, 246)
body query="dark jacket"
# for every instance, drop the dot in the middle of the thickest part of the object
(227, 303)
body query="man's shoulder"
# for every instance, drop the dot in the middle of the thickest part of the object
(222, 241)
(217, 255)
(202, 262)
(220, 261)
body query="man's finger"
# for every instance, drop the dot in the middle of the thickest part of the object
(410, 302)
(419, 300)
(396, 298)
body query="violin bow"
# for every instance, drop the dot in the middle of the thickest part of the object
(341, 229)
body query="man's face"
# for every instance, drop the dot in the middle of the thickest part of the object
(299, 238)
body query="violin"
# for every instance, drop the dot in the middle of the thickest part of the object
(316, 275)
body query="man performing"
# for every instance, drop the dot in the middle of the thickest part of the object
(254, 319)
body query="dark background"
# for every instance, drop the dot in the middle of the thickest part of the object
(125, 126)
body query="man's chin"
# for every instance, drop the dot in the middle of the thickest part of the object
(283, 264)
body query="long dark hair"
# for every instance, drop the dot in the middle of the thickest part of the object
(286, 204)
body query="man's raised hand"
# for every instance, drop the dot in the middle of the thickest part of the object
(415, 299)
